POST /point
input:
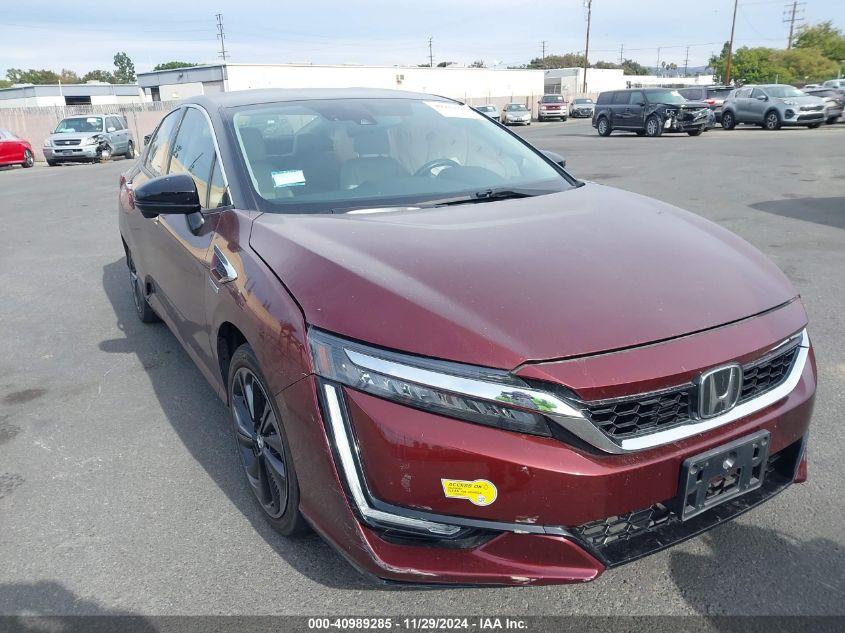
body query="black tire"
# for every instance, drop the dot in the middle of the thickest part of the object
(653, 126)
(262, 444)
(28, 159)
(563, 118)
(831, 120)
(540, 119)
(771, 121)
(813, 126)
(130, 150)
(640, 132)
(728, 120)
(143, 309)
(695, 132)
(603, 126)
(52, 163)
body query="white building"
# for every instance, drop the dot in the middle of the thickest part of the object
(570, 81)
(468, 84)
(94, 93)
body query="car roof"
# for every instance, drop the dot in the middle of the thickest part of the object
(274, 95)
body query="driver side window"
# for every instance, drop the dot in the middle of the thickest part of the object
(158, 151)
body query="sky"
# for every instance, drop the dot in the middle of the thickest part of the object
(82, 34)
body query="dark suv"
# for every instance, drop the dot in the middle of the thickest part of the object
(713, 96)
(650, 112)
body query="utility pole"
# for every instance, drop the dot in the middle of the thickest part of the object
(589, 6)
(731, 47)
(791, 15)
(221, 36)
(430, 54)
(621, 54)
(686, 62)
(543, 49)
(657, 68)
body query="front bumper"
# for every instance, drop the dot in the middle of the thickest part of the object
(582, 112)
(553, 497)
(552, 114)
(70, 152)
(796, 116)
(520, 121)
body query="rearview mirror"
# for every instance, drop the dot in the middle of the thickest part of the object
(172, 194)
(554, 157)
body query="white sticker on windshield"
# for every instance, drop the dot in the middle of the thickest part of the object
(288, 178)
(92, 120)
(453, 110)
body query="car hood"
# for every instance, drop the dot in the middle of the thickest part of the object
(805, 100)
(68, 136)
(500, 283)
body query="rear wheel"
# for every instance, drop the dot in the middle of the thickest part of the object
(603, 127)
(728, 120)
(262, 444)
(28, 159)
(772, 121)
(653, 126)
(130, 150)
(813, 126)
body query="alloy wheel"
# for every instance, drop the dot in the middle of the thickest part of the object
(135, 285)
(651, 128)
(28, 159)
(259, 442)
(603, 127)
(772, 121)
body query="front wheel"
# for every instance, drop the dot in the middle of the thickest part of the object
(653, 126)
(262, 444)
(694, 132)
(130, 150)
(52, 163)
(813, 126)
(28, 159)
(772, 121)
(728, 121)
(831, 120)
(603, 127)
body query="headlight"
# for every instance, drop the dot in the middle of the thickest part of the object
(788, 101)
(466, 392)
(47, 143)
(91, 140)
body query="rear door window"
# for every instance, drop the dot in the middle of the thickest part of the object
(637, 98)
(605, 98)
(621, 98)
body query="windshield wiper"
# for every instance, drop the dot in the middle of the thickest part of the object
(485, 195)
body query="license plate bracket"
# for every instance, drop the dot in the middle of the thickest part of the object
(723, 473)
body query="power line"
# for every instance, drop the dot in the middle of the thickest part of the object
(791, 15)
(221, 36)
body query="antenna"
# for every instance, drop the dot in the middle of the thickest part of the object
(221, 36)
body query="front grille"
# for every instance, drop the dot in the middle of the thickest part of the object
(646, 413)
(619, 539)
(815, 108)
(69, 141)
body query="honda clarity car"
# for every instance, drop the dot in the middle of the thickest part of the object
(448, 356)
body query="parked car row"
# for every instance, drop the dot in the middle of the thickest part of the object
(653, 111)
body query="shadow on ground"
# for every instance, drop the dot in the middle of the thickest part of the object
(731, 580)
(203, 426)
(827, 211)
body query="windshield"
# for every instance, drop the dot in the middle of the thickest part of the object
(583, 101)
(80, 124)
(486, 109)
(516, 107)
(665, 96)
(552, 99)
(782, 92)
(718, 92)
(333, 155)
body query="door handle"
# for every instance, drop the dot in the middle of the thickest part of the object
(222, 270)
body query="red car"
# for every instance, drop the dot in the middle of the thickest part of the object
(448, 356)
(15, 151)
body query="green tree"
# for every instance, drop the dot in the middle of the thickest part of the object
(99, 75)
(174, 65)
(69, 76)
(124, 72)
(569, 60)
(478, 63)
(32, 76)
(444, 64)
(767, 65)
(5, 83)
(603, 64)
(630, 67)
(825, 38)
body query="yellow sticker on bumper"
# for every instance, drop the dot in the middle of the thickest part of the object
(479, 492)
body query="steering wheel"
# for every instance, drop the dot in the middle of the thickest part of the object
(425, 170)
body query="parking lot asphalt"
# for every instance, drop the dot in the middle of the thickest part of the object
(119, 486)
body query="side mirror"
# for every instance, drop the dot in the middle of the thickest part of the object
(147, 138)
(554, 157)
(762, 98)
(111, 129)
(172, 194)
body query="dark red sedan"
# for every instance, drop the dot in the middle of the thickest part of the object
(449, 357)
(14, 150)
